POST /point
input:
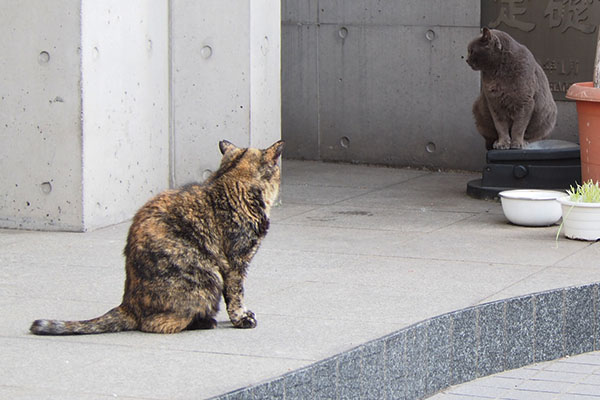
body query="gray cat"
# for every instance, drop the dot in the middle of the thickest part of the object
(515, 106)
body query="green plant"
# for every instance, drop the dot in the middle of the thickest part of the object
(589, 192)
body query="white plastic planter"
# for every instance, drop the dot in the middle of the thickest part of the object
(580, 220)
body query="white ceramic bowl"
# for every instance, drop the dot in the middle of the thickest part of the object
(531, 207)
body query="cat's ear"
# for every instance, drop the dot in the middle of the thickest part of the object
(486, 35)
(226, 146)
(274, 152)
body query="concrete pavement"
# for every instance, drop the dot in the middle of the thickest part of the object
(353, 253)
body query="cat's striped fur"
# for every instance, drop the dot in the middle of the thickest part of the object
(187, 247)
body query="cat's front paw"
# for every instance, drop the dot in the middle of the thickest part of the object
(517, 144)
(247, 321)
(501, 144)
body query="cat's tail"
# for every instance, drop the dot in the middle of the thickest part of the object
(116, 320)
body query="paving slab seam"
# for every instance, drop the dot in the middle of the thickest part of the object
(356, 196)
(589, 244)
(429, 356)
(66, 339)
(523, 279)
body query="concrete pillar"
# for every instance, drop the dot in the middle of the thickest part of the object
(84, 111)
(40, 114)
(108, 102)
(225, 80)
(125, 98)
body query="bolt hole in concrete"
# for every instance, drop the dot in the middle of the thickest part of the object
(206, 52)
(430, 35)
(46, 187)
(430, 147)
(343, 32)
(44, 57)
(345, 142)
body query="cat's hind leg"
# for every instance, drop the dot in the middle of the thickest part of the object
(541, 125)
(205, 306)
(202, 322)
(519, 126)
(165, 323)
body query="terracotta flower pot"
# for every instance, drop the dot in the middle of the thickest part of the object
(587, 98)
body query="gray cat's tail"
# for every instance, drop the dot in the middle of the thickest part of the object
(116, 320)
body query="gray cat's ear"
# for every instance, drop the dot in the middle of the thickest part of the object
(274, 152)
(486, 35)
(226, 146)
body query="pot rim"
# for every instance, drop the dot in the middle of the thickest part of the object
(583, 91)
(520, 194)
(565, 201)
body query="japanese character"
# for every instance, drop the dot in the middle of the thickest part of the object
(569, 14)
(509, 11)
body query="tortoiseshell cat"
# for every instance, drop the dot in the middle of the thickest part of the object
(515, 105)
(186, 247)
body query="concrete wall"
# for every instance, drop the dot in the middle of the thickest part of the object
(380, 81)
(40, 115)
(385, 82)
(225, 80)
(125, 98)
(90, 131)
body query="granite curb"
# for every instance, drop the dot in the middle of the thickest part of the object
(427, 357)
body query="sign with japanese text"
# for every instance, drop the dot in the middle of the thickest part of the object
(561, 34)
